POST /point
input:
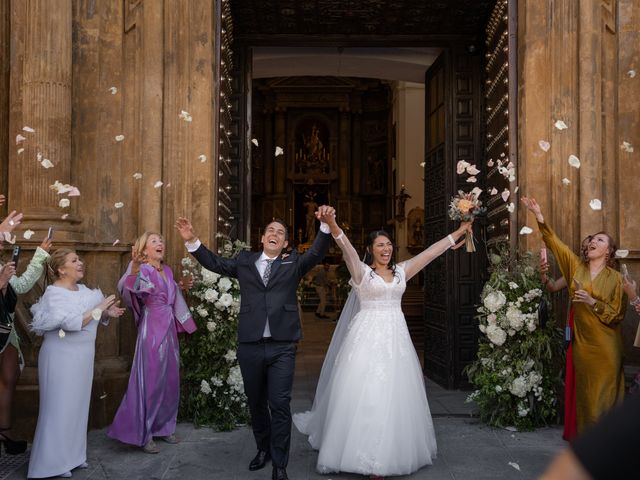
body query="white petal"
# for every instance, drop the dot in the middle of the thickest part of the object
(20, 150)
(461, 167)
(560, 125)
(118, 204)
(8, 238)
(119, 138)
(515, 190)
(39, 156)
(202, 158)
(526, 230)
(28, 129)
(28, 234)
(279, 151)
(46, 163)
(158, 184)
(490, 163)
(511, 429)
(627, 147)
(574, 161)
(64, 202)
(476, 191)
(255, 142)
(512, 178)
(631, 73)
(566, 181)
(113, 90)
(74, 192)
(64, 217)
(505, 194)
(595, 204)
(544, 145)
(117, 241)
(503, 154)
(137, 175)
(472, 170)
(493, 191)
(185, 116)
(515, 465)
(20, 139)
(422, 164)
(61, 333)
(472, 180)
(622, 253)
(511, 208)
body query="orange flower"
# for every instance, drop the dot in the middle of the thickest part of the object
(465, 205)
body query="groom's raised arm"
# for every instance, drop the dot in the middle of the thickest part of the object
(319, 247)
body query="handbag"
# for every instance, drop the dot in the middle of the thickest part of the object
(7, 308)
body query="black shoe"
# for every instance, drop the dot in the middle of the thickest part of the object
(260, 460)
(13, 447)
(279, 473)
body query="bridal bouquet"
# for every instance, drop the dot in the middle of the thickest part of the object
(464, 207)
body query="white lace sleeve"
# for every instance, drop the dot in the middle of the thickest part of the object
(351, 258)
(25, 282)
(417, 263)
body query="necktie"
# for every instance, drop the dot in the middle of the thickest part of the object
(267, 271)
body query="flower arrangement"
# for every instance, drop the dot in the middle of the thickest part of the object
(464, 207)
(212, 387)
(518, 372)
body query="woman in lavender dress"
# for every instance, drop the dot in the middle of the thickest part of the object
(150, 405)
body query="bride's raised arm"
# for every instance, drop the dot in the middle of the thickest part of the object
(413, 265)
(349, 253)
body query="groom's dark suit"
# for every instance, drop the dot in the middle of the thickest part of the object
(267, 364)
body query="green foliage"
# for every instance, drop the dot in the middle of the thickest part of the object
(518, 373)
(212, 389)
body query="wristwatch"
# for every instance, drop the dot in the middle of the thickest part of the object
(96, 314)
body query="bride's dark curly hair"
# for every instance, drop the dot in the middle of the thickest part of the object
(368, 256)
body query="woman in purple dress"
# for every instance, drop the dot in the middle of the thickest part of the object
(150, 405)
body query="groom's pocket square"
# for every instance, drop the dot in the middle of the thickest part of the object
(286, 263)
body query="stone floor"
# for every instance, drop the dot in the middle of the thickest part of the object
(467, 449)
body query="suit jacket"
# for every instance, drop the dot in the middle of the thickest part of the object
(278, 300)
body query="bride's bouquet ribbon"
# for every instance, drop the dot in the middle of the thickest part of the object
(464, 207)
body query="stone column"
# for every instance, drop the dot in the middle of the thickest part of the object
(41, 99)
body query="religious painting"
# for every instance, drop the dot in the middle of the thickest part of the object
(307, 199)
(312, 148)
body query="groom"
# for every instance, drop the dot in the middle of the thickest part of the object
(268, 328)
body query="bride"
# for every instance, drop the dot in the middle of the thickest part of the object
(370, 414)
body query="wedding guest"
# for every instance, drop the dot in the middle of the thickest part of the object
(11, 359)
(599, 305)
(370, 414)
(67, 316)
(630, 288)
(150, 405)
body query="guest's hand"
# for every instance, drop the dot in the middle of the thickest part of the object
(46, 244)
(629, 287)
(533, 206)
(115, 311)
(2, 199)
(582, 296)
(185, 229)
(11, 222)
(106, 303)
(137, 258)
(186, 283)
(7, 271)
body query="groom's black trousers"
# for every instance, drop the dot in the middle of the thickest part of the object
(267, 371)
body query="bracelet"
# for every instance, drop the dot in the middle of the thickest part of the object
(451, 240)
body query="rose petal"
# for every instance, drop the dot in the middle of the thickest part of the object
(64, 217)
(118, 204)
(255, 142)
(20, 139)
(64, 202)
(622, 253)
(46, 163)
(476, 191)
(503, 154)
(560, 125)
(490, 163)
(158, 184)
(461, 167)
(631, 73)
(61, 333)
(472, 180)
(279, 151)
(544, 145)
(28, 129)
(515, 465)
(39, 156)
(74, 192)
(472, 170)
(515, 190)
(20, 150)
(574, 161)
(202, 158)
(28, 234)
(526, 230)
(8, 238)
(117, 241)
(493, 191)
(422, 164)
(113, 90)
(505, 194)
(627, 147)
(566, 181)
(137, 175)
(595, 204)
(119, 138)
(185, 116)
(511, 207)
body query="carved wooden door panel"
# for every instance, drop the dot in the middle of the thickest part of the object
(453, 281)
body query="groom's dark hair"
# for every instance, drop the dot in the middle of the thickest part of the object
(281, 222)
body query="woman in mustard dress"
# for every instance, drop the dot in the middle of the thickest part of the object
(599, 304)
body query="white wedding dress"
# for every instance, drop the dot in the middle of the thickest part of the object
(370, 414)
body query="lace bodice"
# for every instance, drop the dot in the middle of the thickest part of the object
(375, 293)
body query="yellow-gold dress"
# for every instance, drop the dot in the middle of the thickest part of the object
(597, 334)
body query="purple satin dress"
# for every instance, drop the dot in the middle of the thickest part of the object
(150, 405)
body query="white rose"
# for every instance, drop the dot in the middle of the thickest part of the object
(202, 312)
(515, 318)
(496, 335)
(491, 319)
(210, 295)
(211, 326)
(498, 388)
(224, 284)
(225, 299)
(230, 356)
(209, 277)
(204, 387)
(494, 301)
(519, 387)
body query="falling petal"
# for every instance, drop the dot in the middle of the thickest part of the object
(158, 184)
(20, 139)
(279, 151)
(113, 90)
(476, 191)
(64, 217)
(28, 129)
(422, 164)
(595, 204)
(39, 157)
(511, 429)
(28, 234)
(503, 154)
(472, 180)
(202, 158)
(119, 138)
(104, 395)
(631, 73)
(8, 238)
(117, 241)
(526, 231)
(505, 194)
(515, 465)
(622, 253)
(137, 175)
(64, 202)
(20, 150)
(627, 147)
(46, 163)
(74, 192)
(462, 167)
(255, 142)
(512, 178)
(490, 163)
(472, 170)
(544, 145)
(185, 116)
(61, 333)
(574, 161)
(168, 185)
(512, 207)
(515, 190)
(118, 204)
(566, 181)
(493, 191)
(560, 125)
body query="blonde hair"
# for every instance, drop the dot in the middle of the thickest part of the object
(141, 242)
(57, 260)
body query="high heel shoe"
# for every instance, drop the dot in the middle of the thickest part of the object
(12, 447)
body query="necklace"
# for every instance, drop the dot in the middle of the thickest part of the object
(157, 267)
